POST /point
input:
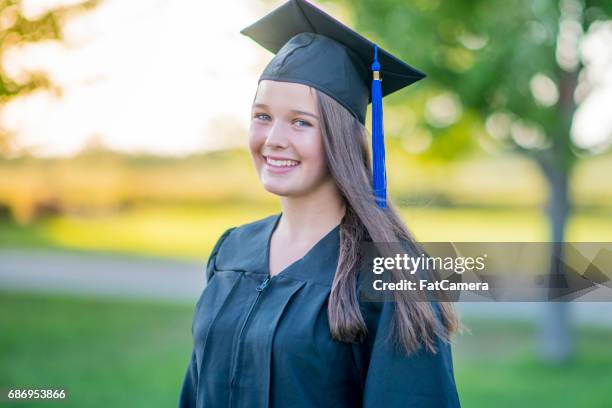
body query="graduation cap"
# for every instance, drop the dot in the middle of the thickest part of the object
(315, 49)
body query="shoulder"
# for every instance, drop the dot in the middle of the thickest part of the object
(241, 247)
(252, 230)
(246, 234)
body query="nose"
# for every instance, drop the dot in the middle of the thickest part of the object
(276, 137)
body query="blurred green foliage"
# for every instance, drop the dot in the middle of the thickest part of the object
(17, 29)
(190, 231)
(101, 183)
(486, 55)
(178, 207)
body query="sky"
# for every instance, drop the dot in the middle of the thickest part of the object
(174, 77)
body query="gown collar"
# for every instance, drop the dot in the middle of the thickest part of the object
(248, 249)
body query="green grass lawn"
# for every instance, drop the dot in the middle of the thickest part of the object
(191, 231)
(495, 365)
(104, 353)
(134, 354)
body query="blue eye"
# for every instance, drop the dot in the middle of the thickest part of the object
(302, 123)
(261, 116)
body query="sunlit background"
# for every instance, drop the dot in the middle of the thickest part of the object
(176, 77)
(143, 76)
(123, 130)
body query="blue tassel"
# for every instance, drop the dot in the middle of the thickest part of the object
(379, 175)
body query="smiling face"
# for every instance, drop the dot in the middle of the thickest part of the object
(285, 139)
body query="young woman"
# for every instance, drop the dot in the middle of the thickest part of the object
(281, 322)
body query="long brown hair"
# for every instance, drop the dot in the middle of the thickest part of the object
(348, 159)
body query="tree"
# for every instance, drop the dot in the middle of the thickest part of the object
(515, 64)
(16, 28)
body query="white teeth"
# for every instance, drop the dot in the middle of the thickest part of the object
(282, 163)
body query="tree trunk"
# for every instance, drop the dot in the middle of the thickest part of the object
(556, 343)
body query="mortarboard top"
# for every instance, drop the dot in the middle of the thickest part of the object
(315, 49)
(318, 58)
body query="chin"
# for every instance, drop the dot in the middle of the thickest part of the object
(279, 190)
(287, 186)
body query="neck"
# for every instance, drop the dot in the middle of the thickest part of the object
(313, 214)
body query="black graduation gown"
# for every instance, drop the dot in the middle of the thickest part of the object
(265, 342)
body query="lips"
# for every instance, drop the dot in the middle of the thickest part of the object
(280, 164)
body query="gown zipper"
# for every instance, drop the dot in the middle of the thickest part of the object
(260, 288)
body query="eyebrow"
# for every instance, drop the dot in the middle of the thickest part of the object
(295, 111)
